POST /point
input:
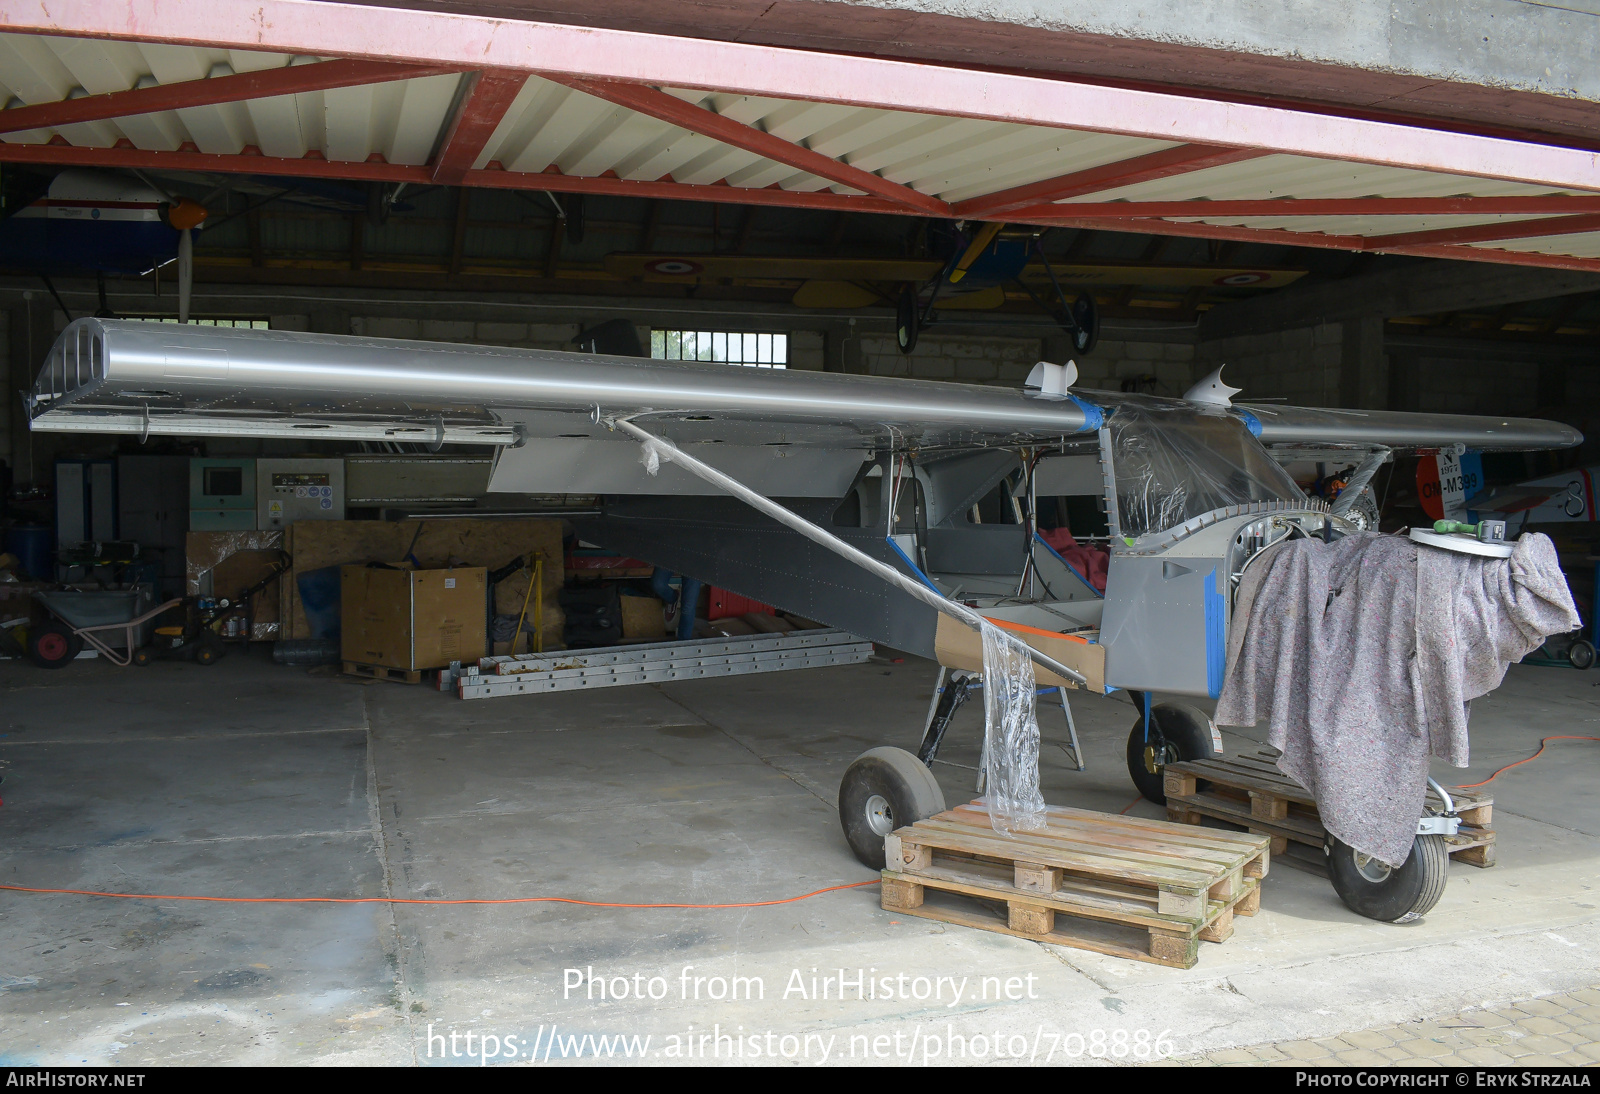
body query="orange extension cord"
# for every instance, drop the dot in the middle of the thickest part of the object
(1519, 763)
(414, 900)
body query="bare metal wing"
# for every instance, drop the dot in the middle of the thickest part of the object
(130, 376)
(803, 433)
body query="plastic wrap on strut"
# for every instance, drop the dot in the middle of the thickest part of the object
(1011, 735)
(1176, 462)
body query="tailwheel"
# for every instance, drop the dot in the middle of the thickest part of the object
(1373, 888)
(1084, 324)
(1580, 655)
(907, 322)
(884, 789)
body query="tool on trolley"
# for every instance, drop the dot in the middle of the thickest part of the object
(209, 622)
(1487, 538)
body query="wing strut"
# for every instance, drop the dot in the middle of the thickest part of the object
(659, 448)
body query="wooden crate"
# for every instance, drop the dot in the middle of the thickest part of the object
(383, 672)
(1124, 886)
(1251, 791)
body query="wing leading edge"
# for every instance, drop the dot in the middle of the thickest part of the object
(124, 376)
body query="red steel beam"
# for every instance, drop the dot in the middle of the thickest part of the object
(124, 155)
(1504, 258)
(1488, 233)
(1156, 165)
(1525, 205)
(1282, 238)
(321, 28)
(288, 80)
(1198, 230)
(482, 107)
(681, 191)
(658, 104)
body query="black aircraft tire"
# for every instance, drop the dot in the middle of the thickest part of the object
(906, 321)
(1185, 730)
(1086, 317)
(884, 789)
(1374, 890)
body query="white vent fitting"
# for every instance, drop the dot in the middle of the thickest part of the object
(1048, 381)
(1212, 391)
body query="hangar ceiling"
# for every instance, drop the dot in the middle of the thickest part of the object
(425, 98)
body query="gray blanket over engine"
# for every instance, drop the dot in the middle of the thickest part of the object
(1362, 656)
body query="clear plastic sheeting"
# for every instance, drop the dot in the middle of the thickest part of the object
(650, 456)
(1011, 735)
(1174, 463)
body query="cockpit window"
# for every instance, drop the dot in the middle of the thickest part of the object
(1177, 462)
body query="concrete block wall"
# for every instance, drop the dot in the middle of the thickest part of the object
(963, 359)
(1449, 386)
(1007, 361)
(806, 350)
(1301, 366)
(1158, 368)
(519, 335)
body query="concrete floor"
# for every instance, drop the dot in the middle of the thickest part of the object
(247, 779)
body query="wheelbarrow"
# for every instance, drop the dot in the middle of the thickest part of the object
(79, 617)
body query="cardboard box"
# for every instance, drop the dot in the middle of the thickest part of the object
(643, 617)
(429, 545)
(958, 646)
(412, 619)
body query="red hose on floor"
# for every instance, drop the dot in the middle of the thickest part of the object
(1519, 763)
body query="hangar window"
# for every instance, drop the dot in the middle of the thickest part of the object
(758, 349)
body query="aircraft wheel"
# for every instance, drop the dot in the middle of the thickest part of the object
(907, 321)
(1581, 654)
(1378, 891)
(884, 789)
(1085, 323)
(1181, 733)
(53, 646)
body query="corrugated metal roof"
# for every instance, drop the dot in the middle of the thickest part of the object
(550, 126)
(1584, 245)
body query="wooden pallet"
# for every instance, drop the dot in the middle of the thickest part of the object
(1124, 886)
(383, 672)
(1250, 790)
